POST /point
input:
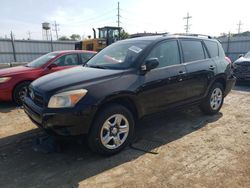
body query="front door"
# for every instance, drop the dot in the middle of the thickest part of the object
(64, 62)
(166, 84)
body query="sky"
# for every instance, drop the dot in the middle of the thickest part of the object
(211, 17)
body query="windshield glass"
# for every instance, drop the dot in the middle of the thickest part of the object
(42, 60)
(247, 55)
(119, 55)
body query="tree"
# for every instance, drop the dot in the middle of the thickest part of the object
(124, 34)
(75, 37)
(63, 38)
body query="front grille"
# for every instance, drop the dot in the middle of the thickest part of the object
(36, 97)
(242, 68)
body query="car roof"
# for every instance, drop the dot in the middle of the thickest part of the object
(171, 36)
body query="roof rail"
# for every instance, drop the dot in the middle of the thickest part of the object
(194, 35)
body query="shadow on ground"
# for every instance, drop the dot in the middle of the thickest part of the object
(242, 86)
(6, 107)
(22, 167)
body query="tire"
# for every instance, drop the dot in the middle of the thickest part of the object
(214, 100)
(19, 92)
(108, 135)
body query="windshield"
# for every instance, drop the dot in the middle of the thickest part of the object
(42, 60)
(119, 55)
(247, 55)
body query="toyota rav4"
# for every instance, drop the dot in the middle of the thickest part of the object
(126, 81)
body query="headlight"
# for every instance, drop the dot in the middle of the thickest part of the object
(4, 79)
(66, 99)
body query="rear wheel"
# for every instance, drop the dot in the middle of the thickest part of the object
(20, 92)
(112, 130)
(214, 100)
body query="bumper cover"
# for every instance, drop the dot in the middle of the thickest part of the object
(60, 122)
(5, 93)
(230, 82)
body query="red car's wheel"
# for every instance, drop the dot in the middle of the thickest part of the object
(20, 91)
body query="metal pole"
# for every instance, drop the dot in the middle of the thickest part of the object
(51, 42)
(13, 47)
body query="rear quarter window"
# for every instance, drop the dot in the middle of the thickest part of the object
(192, 50)
(212, 48)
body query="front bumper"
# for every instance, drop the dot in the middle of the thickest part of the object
(242, 76)
(60, 122)
(5, 93)
(229, 85)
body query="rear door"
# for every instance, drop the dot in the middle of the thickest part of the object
(200, 68)
(164, 85)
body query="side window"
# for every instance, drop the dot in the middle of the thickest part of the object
(167, 53)
(212, 48)
(67, 60)
(86, 56)
(192, 50)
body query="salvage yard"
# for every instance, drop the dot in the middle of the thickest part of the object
(178, 149)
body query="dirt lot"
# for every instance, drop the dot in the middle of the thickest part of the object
(187, 148)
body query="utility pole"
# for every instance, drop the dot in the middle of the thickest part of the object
(13, 46)
(239, 26)
(29, 35)
(118, 15)
(187, 26)
(56, 29)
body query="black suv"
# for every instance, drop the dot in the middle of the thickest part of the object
(126, 81)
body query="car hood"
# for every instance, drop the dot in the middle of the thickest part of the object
(242, 60)
(73, 78)
(14, 70)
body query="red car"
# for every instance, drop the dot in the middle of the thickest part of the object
(14, 81)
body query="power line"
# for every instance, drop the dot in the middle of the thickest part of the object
(93, 19)
(187, 26)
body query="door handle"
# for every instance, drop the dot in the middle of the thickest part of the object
(212, 67)
(182, 72)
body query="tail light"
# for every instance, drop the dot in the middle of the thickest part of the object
(228, 59)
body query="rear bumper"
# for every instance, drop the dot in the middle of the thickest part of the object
(230, 82)
(60, 122)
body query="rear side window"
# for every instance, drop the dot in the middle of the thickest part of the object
(167, 53)
(192, 50)
(212, 48)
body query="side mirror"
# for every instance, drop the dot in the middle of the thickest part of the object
(150, 64)
(241, 55)
(52, 65)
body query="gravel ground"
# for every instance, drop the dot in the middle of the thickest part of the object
(181, 149)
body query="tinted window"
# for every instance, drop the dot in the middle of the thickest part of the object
(86, 56)
(192, 50)
(167, 53)
(212, 48)
(67, 60)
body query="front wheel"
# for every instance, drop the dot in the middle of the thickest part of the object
(20, 92)
(112, 130)
(214, 100)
